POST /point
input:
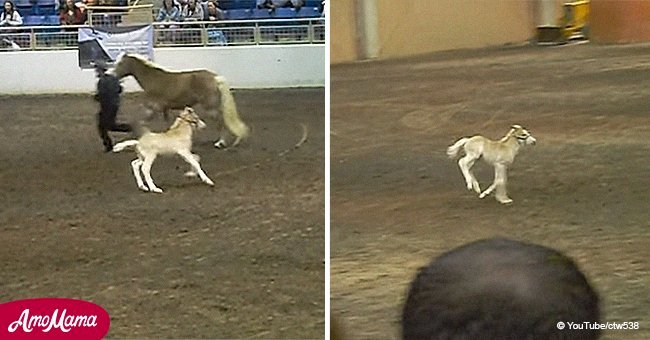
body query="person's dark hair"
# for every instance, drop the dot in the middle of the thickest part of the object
(13, 7)
(168, 8)
(500, 289)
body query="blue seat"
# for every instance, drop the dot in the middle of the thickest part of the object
(23, 3)
(261, 14)
(51, 20)
(247, 4)
(237, 4)
(237, 14)
(33, 20)
(41, 20)
(44, 9)
(284, 13)
(309, 12)
(26, 8)
(227, 5)
(312, 3)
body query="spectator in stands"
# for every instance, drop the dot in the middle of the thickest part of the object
(273, 4)
(213, 12)
(71, 14)
(10, 16)
(170, 11)
(192, 11)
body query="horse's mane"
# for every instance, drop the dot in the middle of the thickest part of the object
(150, 64)
(146, 62)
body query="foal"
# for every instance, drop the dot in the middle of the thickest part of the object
(499, 154)
(176, 140)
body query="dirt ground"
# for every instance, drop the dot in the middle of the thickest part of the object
(397, 200)
(242, 259)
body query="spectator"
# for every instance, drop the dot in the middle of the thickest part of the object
(213, 12)
(273, 4)
(192, 11)
(10, 16)
(71, 14)
(169, 11)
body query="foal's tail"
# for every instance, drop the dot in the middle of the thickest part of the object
(229, 110)
(452, 151)
(125, 144)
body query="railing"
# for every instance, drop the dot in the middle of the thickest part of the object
(197, 33)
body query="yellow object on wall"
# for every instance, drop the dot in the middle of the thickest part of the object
(576, 15)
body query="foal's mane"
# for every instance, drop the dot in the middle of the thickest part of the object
(508, 135)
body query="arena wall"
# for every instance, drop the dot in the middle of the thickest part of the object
(50, 72)
(619, 21)
(407, 28)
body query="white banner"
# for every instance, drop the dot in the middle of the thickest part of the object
(106, 43)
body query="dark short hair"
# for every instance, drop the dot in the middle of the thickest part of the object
(500, 289)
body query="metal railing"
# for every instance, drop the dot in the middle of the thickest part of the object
(167, 34)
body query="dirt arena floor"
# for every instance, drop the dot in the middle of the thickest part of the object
(242, 259)
(397, 200)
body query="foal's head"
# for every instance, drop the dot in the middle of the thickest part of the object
(188, 115)
(522, 135)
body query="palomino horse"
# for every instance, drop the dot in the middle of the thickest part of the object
(499, 154)
(174, 90)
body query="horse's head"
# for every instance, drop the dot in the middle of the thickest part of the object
(523, 136)
(122, 67)
(191, 117)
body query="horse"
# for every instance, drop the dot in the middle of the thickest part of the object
(499, 154)
(500, 289)
(173, 90)
(176, 140)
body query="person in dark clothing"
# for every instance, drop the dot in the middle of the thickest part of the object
(108, 96)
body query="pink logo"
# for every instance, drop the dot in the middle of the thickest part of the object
(53, 318)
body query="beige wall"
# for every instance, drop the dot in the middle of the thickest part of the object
(414, 27)
(342, 31)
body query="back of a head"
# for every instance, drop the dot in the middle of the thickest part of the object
(499, 289)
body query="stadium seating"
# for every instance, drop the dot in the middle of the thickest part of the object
(236, 4)
(284, 13)
(41, 20)
(238, 14)
(308, 12)
(261, 14)
(36, 7)
(312, 3)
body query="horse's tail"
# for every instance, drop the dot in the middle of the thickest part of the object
(125, 144)
(229, 110)
(452, 151)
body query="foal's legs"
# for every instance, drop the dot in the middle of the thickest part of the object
(191, 158)
(136, 164)
(500, 183)
(465, 165)
(146, 170)
(492, 186)
(191, 172)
